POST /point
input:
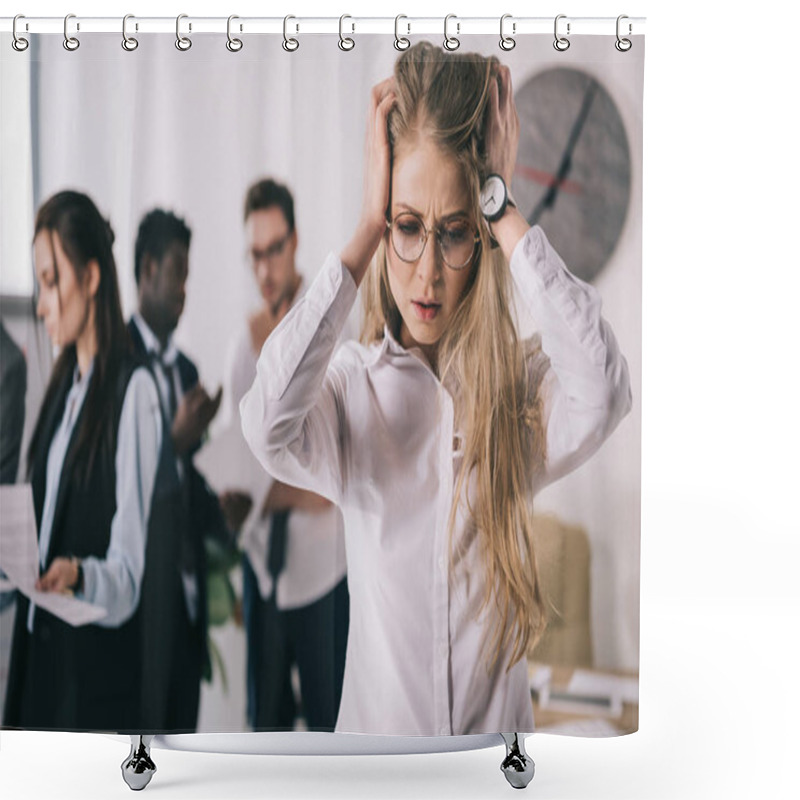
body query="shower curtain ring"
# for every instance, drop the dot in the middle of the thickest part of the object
(70, 42)
(400, 42)
(561, 43)
(290, 44)
(451, 42)
(129, 43)
(233, 44)
(183, 43)
(345, 42)
(19, 43)
(507, 42)
(623, 45)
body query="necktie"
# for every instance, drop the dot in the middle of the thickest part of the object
(188, 560)
(157, 360)
(169, 372)
(276, 554)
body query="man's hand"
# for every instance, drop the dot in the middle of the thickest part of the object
(195, 412)
(235, 508)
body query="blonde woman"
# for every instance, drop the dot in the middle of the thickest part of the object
(434, 433)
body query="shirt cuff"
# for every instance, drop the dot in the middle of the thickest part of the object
(90, 568)
(555, 296)
(322, 312)
(333, 292)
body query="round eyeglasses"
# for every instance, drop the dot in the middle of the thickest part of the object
(457, 239)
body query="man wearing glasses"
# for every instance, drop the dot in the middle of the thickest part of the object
(295, 598)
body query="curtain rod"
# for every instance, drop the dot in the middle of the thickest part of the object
(348, 25)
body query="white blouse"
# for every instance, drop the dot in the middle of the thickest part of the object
(372, 429)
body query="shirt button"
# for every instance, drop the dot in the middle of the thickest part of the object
(444, 730)
(443, 650)
(442, 564)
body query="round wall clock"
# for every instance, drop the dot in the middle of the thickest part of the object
(573, 173)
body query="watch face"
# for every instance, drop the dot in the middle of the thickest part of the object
(573, 174)
(493, 196)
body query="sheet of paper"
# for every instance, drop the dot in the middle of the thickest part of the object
(19, 549)
(587, 683)
(19, 558)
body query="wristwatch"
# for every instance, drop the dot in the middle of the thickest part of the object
(495, 198)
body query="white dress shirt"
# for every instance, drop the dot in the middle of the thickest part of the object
(373, 430)
(112, 582)
(168, 356)
(315, 554)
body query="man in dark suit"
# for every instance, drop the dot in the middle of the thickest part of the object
(179, 619)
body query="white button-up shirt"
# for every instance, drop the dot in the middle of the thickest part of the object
(372, 429)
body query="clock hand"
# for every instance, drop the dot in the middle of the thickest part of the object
(546, 179)
(549, 198)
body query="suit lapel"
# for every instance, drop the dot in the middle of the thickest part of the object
(136, 337)
(39, 473)
(67, 469)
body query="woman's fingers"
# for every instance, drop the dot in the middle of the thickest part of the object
(358, 252)
(502, 130)
(506, 93)
(57, 578)
(494, 100)
(381, 89)
(377, 177)
(382, 118)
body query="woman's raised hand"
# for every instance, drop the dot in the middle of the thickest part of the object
(502, 143)
(502, 125)
(358, 253)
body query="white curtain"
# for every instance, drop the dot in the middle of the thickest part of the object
(190, 131)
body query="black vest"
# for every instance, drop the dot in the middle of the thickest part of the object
(63, 677)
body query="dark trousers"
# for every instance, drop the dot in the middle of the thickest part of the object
(183, 701)
(314, 637)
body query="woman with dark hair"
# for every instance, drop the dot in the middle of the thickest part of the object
(92, 464)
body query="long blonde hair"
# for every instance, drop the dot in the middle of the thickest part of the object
(444, 96)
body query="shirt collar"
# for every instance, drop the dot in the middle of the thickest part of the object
(80, 382)
(168, 355)
(392, 346)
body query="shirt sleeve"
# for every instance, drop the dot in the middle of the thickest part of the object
(114, 582)
(291, 413)
(232, 381)
(586, 386)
